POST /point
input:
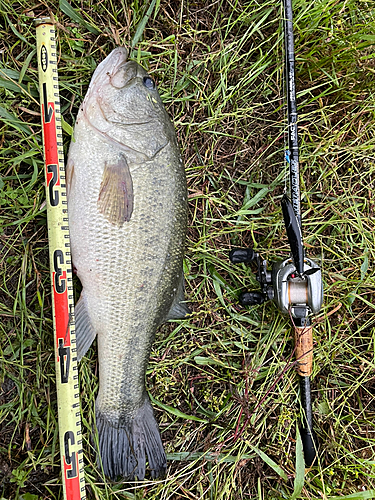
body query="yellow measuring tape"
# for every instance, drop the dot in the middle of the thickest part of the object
(61, 266)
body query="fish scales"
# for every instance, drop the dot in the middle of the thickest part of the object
(127, 214)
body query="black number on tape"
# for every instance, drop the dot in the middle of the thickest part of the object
(70, 459)
(53, 194)
(64, 355)
(60, 283)
(48, 110)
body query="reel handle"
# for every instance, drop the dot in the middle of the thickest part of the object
(251, 298)
(238, 255)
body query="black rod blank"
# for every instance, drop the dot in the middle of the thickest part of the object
(308, 438)
(290, 79)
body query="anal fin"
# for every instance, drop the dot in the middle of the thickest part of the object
(85, 333)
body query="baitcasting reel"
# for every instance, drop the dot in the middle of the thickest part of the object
(298, 295)
(295, 284)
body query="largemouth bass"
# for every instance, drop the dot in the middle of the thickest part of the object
(127, 203)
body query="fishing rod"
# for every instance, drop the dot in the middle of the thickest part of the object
(295, 284)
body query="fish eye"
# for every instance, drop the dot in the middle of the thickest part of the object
(149, 83)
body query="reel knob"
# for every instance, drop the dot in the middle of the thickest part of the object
(238, 255)
(251, 298)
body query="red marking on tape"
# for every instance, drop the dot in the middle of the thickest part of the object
(73, 490)
(61, 313)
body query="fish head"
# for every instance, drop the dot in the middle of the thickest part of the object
(123, 105)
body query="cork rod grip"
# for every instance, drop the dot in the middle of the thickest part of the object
(304, 350)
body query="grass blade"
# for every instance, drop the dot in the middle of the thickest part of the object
(177, 413)
(279, 471)
(142, 24)
(219, 457)
(26, 65)
(76, 17)
(13, 121)
(299, 480)
(362, 495)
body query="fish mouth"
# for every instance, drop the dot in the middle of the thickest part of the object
(126, 73)
(116, 59)
(109, 66)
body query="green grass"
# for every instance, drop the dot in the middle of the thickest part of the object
(223, 382)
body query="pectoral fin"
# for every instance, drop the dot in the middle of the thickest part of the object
(85, 333)
(116, 198)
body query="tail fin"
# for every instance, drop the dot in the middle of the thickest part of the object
(123, 445)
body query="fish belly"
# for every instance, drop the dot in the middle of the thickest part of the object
(130, 277)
